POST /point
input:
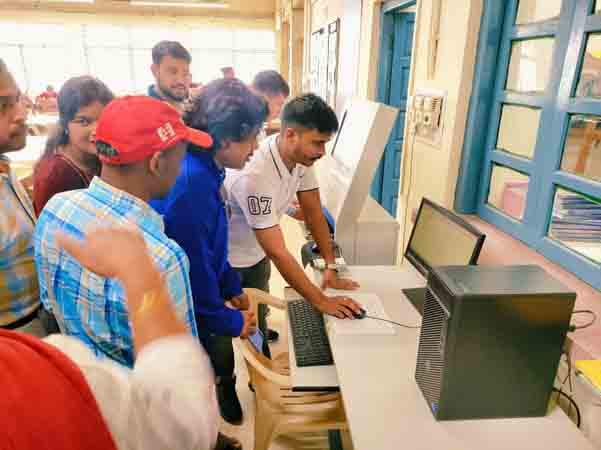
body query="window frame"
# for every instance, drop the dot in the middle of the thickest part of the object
(132, 44)
(556, 104)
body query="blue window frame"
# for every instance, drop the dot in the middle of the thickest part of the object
(534, 168)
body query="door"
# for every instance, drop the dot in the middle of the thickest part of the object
(395, 59)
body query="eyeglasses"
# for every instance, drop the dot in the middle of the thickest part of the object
(7, 102)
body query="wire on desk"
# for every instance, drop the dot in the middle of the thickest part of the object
(572, 402)
(391, 321)
(583, 311)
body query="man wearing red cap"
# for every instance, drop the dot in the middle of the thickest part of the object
(141, 142)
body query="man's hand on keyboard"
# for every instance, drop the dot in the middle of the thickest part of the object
(330, 279)
(339, 306)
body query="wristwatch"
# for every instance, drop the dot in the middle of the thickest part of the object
(332, 266)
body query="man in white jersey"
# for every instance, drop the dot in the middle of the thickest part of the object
(260, 194)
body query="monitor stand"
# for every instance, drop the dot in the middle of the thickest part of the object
(417, 297)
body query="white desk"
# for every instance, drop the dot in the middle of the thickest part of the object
(386, 409)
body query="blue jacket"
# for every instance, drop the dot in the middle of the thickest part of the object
(195, 217)
(152, 92)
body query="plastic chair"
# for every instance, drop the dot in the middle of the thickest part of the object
(279, 410)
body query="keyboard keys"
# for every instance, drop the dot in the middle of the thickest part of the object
(309, 337)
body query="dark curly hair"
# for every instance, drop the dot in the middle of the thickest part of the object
(171, 48)
(226, 109)
(311, 112)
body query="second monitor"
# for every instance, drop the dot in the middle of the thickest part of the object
(440, 238)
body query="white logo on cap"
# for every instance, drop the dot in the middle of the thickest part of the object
(166, 132)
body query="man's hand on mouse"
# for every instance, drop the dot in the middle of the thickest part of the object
(339, 306)
(330, 279)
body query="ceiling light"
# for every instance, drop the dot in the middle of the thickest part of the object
(69, 1)
(180, 4)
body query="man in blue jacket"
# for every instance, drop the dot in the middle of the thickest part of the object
(196, 217)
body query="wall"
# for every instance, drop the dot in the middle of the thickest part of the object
(426, 170)
(238, 9)
(148, 18)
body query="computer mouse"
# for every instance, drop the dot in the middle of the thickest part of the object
(360, 315)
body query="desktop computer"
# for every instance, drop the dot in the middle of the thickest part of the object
(491, 340)
(439, 238)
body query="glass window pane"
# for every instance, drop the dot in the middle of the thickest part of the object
(254, 40)
(11, 33)
(205, 38)
(530, 65)
(51, 65)
(582, 149)
(589, 82)
(248, 64)
(206, 64)
(530, 11)
(142, 74)
(518, 130)
(11, 54)
(148, 37)
(576, 223)
(107, 36)
(508, 191)
(597, 7)
(111, 65)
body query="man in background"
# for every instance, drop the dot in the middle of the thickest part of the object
(171, 71)
(19, 294)
(141, 143)
(228, 72)
(270, 85)
(47, 101)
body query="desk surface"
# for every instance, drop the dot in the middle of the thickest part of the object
(386, 409)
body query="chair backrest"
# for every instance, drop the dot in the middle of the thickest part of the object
(269, 377)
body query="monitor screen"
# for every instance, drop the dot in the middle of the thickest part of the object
(441, 238)
(347, 148)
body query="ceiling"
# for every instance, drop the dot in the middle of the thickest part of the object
(242, 9)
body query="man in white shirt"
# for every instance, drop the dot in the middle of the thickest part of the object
(260, 194)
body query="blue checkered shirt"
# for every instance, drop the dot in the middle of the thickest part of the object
(90, 307)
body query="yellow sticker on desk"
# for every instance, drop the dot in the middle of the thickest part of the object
(591, 369)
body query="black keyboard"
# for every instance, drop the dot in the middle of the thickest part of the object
(309, 337)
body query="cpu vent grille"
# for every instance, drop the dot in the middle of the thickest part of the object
(430, 356)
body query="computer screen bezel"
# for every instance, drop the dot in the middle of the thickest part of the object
(418, 262)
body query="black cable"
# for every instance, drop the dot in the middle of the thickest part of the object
(572, 402)
(583, 311)
(391, 321)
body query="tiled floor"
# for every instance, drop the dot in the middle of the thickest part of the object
(245, 432)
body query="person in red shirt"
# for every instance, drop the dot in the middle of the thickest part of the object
(69, 161)
(46, 101)
(49, 92)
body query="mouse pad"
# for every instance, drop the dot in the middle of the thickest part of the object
(372, 304)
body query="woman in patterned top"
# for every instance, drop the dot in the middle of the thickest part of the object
(70, 161)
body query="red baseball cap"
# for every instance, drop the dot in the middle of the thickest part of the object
(137, 127)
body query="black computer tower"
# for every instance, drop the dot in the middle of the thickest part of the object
(491, 340)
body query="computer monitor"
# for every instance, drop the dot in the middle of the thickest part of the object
(440, 238)
(345, 175)
(348, 156)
